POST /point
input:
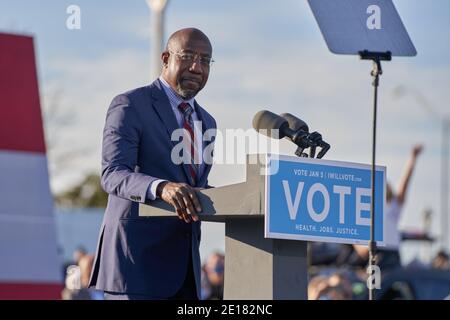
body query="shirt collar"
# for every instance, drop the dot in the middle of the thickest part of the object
(174, 97)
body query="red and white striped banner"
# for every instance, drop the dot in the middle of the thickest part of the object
(29, 263)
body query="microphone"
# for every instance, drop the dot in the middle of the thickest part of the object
(294, 122)
(297, 124)
(288, 126)
(277, 127)
(315, 138)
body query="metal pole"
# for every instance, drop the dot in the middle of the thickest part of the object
(372, 244)
(427, 216)
(376, 58)
(444, 182)
(157, 8)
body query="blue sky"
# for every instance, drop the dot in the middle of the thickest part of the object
(270, 55)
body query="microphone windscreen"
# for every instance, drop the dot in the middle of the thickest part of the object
(270, 124)
(295, 123)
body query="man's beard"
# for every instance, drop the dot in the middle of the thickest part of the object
(186, 94)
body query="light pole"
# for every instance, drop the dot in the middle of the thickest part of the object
(445, 122)
(444, 180)
(157, 7)
(426, 220)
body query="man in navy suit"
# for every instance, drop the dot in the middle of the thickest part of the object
(156, 258)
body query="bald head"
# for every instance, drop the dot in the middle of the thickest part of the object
(186, 35)
(186, 61)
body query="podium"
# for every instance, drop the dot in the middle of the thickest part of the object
(255, 267)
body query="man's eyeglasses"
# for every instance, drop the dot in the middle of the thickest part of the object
(191, 57)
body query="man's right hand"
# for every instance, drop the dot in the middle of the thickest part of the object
(182, 197)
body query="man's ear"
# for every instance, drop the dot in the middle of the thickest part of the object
(165, 58)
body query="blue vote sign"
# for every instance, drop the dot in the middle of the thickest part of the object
(322, 200)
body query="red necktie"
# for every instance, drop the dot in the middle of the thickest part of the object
(188, 125)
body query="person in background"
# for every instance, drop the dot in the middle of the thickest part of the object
(205, 288)
(77, 281)
(333, 287)
(388, 257)
(214, 277)
(79, 253)
(441, 261)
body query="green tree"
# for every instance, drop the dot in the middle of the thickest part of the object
(88, 193)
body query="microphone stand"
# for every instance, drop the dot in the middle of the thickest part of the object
(305, 140)
(312, 152)
(376, 57)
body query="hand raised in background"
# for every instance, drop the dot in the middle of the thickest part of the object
(417, 149)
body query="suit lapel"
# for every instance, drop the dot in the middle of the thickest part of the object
(162, 107)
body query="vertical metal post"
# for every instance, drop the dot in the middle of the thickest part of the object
(427, 221)
(444, 182)
(157, 8)
(372, 244)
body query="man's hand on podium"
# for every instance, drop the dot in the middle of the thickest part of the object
(182, 197)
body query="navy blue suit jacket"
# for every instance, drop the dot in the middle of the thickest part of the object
(137, 255)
